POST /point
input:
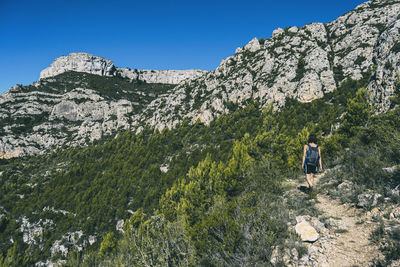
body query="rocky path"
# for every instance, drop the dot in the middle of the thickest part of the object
(352, 246)
(345, 233)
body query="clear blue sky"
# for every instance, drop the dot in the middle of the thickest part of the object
(143, 34)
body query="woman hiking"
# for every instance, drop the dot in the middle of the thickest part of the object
(312, 159)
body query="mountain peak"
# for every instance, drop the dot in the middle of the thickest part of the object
(80, 62)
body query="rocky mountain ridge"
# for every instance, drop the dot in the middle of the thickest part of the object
(83, 62)
(98, 99)
(301, 63)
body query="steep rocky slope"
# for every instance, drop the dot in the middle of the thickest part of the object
(70, 109)
(302, 63)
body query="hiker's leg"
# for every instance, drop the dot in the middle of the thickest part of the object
(312, 179)
(309, 179)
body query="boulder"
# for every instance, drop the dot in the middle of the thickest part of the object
(314, 222)
(306, 232)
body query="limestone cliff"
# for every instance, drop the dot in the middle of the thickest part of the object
(83, 62)
(80, 62)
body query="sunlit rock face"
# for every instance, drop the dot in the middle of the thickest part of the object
(80, 62)
(83, 62)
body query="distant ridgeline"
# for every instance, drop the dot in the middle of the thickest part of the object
(99, 163)
(82, 62)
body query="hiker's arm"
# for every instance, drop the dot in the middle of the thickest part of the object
(304, 156)
(320, 159)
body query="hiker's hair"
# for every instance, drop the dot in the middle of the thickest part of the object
(312, 138)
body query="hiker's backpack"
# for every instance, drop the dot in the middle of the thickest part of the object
(312, 156)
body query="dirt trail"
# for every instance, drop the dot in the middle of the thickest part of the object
(353, 246)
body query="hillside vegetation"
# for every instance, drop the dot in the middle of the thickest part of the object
(194, 195)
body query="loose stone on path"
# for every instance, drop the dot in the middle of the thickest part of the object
(306, 232)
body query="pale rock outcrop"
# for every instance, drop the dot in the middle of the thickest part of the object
(160, 76)
(92, 239)
(346, 188)
(65, 109)
(80, 62)
(310, 88)
(13, 153)
(277, 32)
(253, 45)
(391, 169)
(69, 241)
(120, 226)
(387, 56)
(32, 233)
(318, 225)
(293, 29)
(395, 213)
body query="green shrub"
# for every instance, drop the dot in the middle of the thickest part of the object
(389, 66)
(300, 69)
(338, 73)
(156, 242)
(396, 48)
(359, 60)
(358, 112)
